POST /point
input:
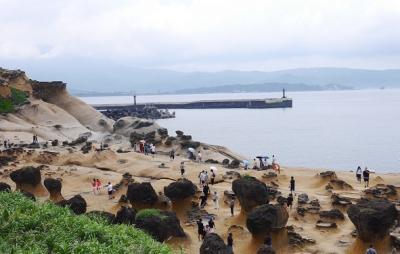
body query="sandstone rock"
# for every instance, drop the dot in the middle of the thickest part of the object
(251, 192)
(231, 175)
(328, 175)
(77, 204)
(180, 190)
(269, 175)
(125, 215)
(141, 193)
(26, 175)
(53, 186)
(213, 244)
(296, 239)
(339, 200)
(382, 191)
(265, 249)
(334, 214)
(372, 218)
(5, 187)
(265, 218)
(338, 184)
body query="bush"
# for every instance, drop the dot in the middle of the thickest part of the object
(17, 98)
(149, 213)
(29, 227)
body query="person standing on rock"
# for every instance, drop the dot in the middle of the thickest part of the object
(232, 205)
(94, 187)
(211, 224)
(371, 250)
(206, 190)
(215, 200)
(98, 185)
(290, 200)
(182, 169)
(229, 245)
(203, 200)
(199, 156)
(212, 179)
(172, 155)
(200, 229)
(110, 190)
(358, 174)
(292, 185)
(366, 177)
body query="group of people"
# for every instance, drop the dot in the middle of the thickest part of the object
(365, 175)
(35, 139)
(146, 148)
(263, 163)
(7, 143)
(203, 230)
(96, 185)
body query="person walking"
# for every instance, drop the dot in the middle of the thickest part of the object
(292, 185)
(229, 245)
(211, 224)
(366, 177)
(182, 169)
(212, 179)
(206, 190)
(98, 185)
(199, 156)
(200, 229)
(203, 200)
(371, 250)
(110, 190)
(94, 186)
(290, 200)
(215, 200)
(358, 174)
(232, 205)
(172, 155)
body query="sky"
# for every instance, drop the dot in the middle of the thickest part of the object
(203, 35)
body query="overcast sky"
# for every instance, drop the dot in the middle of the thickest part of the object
(206, 35)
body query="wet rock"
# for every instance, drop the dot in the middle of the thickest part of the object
(302, 198)
(159, 224)
(53, 186)
(325, 224)
(109, 217)
(180, 190)
(339, 200)
(372, 218)
(251, 192)
(265, 218)
(125, 215)
(142, 193)
(213, 244)
(5, 187)
(265, 249)
(26, 175)
(382, 191)
(334, 214)
(328, 175)
(77, 204)
(312, 207)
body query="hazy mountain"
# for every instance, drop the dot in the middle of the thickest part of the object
(103, 76)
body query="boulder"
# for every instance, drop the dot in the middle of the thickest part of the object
(53, 186)
(265, 218)
(142, 193)
(109, 217)
(338, 184)
(80, 140)
(125, 215)
(269, 175)
(54, 142)
(302, 198)
(328, 175)
(159, 224)
(225, 161)
(382, 191)
(334, 214)
(265, 249)
(26, 175)
(180, 190)
(234, 164)
(5, 187)
(163, 132)
(211, 161)
(231, 175)
(179, 133)
(77, 204)
(339, 200)
(281, 200)
(251, 192)
(296, 239)
(372, 218)
(213, 244)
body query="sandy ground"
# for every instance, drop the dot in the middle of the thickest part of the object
(77, 170)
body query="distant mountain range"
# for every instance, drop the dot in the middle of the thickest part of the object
(104, 77)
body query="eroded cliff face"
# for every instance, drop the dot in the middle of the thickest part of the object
(47, 90)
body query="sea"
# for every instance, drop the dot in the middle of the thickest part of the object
(337, 130)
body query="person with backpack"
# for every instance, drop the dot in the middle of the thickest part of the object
(358, 174)
(371, 250)
(366, 177)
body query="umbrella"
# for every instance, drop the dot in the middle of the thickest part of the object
(213, 168)
(192, 150)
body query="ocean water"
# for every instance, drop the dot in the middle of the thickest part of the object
(328, 129)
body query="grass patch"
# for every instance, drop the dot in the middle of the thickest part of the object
(29, 227)
(17, 98)
(149, 213)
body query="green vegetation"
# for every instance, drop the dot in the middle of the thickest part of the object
(17, 98)
(29, 227)
(248, 177)
(149, 213)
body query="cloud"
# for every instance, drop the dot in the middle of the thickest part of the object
(204, 34)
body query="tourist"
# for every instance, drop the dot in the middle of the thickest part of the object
(203, 177)
(255, 164)
(268, 241)
(211, 224)
(206, 190)
(371, 250)
(292, 185)
(275, 165)
(110, 190)
(229, 245)
(366, 177)
(203, 200)
(212, 179)
(200, 229)
(98, 184)
(215, 200)
(182, 169)
(206, 231)
(199, 156)
(232, 205)
(290, 200)
(94, 186)
(172, 155)
(358, 174)
(141, 147)
(152, 150)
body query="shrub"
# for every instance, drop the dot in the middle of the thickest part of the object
(29, 227)
(149, 213)
(17, 98)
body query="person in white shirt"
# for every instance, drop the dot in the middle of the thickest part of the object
(358, 174)
(199, 156)
(110, 190)
(215, 200)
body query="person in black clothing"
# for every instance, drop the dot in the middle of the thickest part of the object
(203, 200)
(211, 223)
(290, 200)
(268, 241)
(292, 184)
(206, 190)
(229, 244)
(232, 205)
(200, 229)
(366, 177)
(182, 169)
(172, 154)
(212, 177)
